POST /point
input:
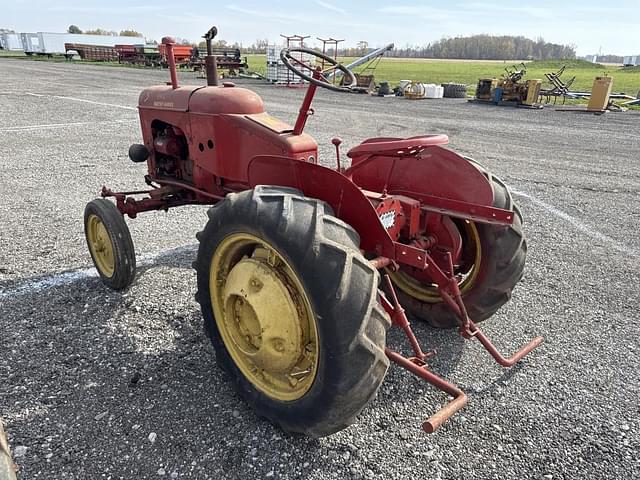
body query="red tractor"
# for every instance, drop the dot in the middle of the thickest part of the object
(302, 268)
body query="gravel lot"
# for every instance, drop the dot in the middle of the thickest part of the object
(97, 384)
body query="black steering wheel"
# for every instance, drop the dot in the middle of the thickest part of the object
(318, 76)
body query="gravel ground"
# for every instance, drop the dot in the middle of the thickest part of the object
(97, 384)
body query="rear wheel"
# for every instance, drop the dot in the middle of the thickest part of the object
(290, 306)
(109, 243)
(495, 258)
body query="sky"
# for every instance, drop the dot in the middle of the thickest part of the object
(591, 26)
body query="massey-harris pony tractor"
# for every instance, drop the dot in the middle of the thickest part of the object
(302, 268)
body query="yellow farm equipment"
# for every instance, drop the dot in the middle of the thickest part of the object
(509, 89)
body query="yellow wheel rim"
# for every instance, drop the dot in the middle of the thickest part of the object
(100, 245)
(429, 293)
(264, 316)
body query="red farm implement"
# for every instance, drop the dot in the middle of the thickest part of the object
(301, 269)
(181, 54)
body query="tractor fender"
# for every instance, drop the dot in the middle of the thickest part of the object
(315, 181)
(434, 172)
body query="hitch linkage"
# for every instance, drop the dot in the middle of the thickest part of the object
(416, 364)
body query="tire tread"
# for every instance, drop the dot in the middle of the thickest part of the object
(358, 348)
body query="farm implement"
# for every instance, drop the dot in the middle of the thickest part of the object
(185, 56)
(510, 89)
(301, 269)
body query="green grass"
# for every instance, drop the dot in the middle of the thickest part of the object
(571, 64)
(625, 80)
(12, 53)
(393, 70)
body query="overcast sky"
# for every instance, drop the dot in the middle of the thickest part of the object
(589, 25)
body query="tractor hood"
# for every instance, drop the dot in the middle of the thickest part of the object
(164, 97)
(226, 99)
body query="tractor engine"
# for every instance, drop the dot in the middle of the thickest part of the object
(171, 153)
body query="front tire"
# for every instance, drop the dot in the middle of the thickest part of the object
(285, 293)
(109, 243)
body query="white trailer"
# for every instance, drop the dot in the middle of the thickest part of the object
(46, 43)
(10, 41)
(30, 43)
(631, 61)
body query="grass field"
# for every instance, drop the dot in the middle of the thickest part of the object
(393, 70)
(625, 80)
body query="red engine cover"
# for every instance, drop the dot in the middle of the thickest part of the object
(164, 97)
(225, 100)
(224, 128)
(207, 100)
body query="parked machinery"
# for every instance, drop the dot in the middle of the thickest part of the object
(509, 89)
(50, 44)
(558, 87)
(186, 56)
(365, 78)
(294, 255)
(154, 55)
(226, 58)
(147, 55)
(95, 53)
(181, 53)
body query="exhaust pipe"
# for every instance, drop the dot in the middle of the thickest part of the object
(210, 64)
(168, 43)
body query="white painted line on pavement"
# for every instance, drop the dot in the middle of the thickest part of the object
(67, 278)
(44, 283)
(61, 279)
(26, 128)
(579, 225)
(74, 99)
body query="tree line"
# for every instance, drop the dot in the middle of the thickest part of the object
(476, 47)
(101, 31)
(489, 47)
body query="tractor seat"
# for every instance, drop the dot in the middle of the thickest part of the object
(396, 146)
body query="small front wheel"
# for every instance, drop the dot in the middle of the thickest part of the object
(110, 244)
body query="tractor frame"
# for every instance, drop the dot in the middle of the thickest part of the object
(393, 192)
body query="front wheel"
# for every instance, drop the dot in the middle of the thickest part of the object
(109, 243)
(495, 259)
(290, 306)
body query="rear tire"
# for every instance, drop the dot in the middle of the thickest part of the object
(110, 244)
(322, 252)
(503, 255)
